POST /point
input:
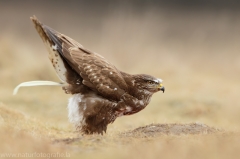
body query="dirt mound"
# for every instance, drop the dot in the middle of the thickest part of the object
(171, 129)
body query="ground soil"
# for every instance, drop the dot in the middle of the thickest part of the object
(171, 129)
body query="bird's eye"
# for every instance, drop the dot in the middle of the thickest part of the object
(150, 82)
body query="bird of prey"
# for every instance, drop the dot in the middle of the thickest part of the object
(100, 92)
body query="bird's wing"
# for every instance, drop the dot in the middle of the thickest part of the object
(96, 73)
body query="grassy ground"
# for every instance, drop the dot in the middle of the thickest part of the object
(196, 54)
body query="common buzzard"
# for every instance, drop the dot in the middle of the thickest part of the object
(101, 92)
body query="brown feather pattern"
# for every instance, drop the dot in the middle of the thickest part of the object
(101, 92)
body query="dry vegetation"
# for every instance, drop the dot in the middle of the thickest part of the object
(195, 53)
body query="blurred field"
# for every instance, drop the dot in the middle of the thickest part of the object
(195, 52)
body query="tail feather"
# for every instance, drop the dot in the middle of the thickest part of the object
(53, 49)
(39, 27)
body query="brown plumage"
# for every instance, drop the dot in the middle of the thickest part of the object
(101, 92)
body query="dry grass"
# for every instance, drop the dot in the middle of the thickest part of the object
(196, 54)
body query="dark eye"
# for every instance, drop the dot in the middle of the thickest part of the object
(151, 82)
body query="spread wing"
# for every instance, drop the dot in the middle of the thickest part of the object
(97, 74)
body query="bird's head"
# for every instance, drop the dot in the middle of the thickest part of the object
(148, 83)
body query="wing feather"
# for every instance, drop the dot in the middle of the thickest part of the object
(105, 78)
(97, 73)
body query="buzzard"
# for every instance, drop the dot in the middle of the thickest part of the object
(101, 92)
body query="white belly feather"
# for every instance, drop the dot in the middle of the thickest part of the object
(75, 113)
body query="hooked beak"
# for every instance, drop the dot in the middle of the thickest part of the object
(161, 88)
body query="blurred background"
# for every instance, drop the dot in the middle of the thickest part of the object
(192, 45)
